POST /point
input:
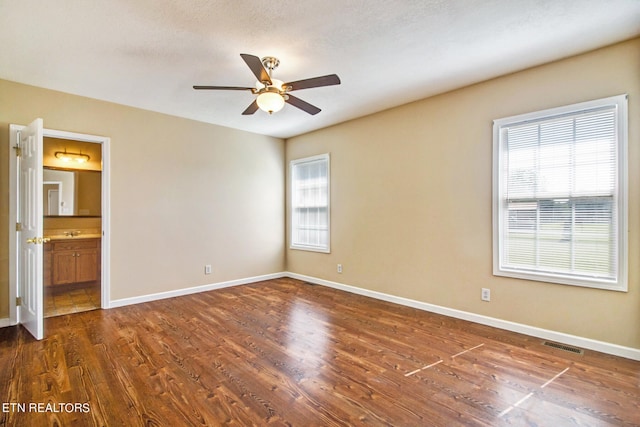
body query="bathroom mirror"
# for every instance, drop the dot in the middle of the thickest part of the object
(69, 192)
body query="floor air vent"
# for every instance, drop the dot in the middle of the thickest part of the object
(564, 347)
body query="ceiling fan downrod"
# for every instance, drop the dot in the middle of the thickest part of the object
(270, 63)
(276, 86)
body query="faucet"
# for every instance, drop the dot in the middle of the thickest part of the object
(72, 233)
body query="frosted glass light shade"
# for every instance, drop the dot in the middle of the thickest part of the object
(270, 102)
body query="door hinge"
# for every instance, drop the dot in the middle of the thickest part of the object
(18, 301)
(18, 151)
(18, 226)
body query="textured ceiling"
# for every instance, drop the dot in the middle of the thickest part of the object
(149, 53)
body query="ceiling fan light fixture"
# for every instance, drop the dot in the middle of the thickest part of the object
(270, 101)
(272, 94)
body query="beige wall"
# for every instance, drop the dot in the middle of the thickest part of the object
(411, 196)
(183, 193)
(411, 199)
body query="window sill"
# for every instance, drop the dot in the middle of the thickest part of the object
(610, 285)
(310, 249)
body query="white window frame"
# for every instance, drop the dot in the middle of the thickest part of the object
(619, 283)
(301, 246)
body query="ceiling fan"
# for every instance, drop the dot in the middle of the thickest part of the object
(273, 93)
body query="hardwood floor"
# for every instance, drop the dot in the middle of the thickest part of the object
(284, 352)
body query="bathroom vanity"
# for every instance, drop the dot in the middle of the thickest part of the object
(71, 260)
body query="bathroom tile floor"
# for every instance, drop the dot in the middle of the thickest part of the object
(71, 298)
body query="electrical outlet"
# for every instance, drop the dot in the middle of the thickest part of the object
(486, 294)
(207, 269)
(339, 268)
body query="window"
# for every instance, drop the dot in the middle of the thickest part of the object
(310, 203)
(560, 197)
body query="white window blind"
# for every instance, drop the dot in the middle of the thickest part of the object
(310, 203)
(560, 204)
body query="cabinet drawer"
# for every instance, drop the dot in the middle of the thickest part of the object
(76, 244)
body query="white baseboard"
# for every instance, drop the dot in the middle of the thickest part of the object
(587, 343)
(194, 290)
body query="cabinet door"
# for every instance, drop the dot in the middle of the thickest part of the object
(64, 267)
(86, 265)
(47, 267)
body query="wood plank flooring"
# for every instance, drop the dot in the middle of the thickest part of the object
(284, 352)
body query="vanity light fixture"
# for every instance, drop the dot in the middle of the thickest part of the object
(72, 157)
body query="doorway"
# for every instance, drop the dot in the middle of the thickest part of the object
(72, 208)
(51, 191)
(27, 215)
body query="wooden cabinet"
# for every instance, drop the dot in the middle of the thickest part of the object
(46, 274)
(72, 261)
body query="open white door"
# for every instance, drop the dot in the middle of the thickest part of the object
(29, 239)
(26, 215)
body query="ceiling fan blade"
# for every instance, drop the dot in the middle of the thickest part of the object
(251, 109)
(328, 80)
(222, 88)
(255, 64)
(303, 105)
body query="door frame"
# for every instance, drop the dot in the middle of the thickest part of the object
(105, 284)
(58, 184)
